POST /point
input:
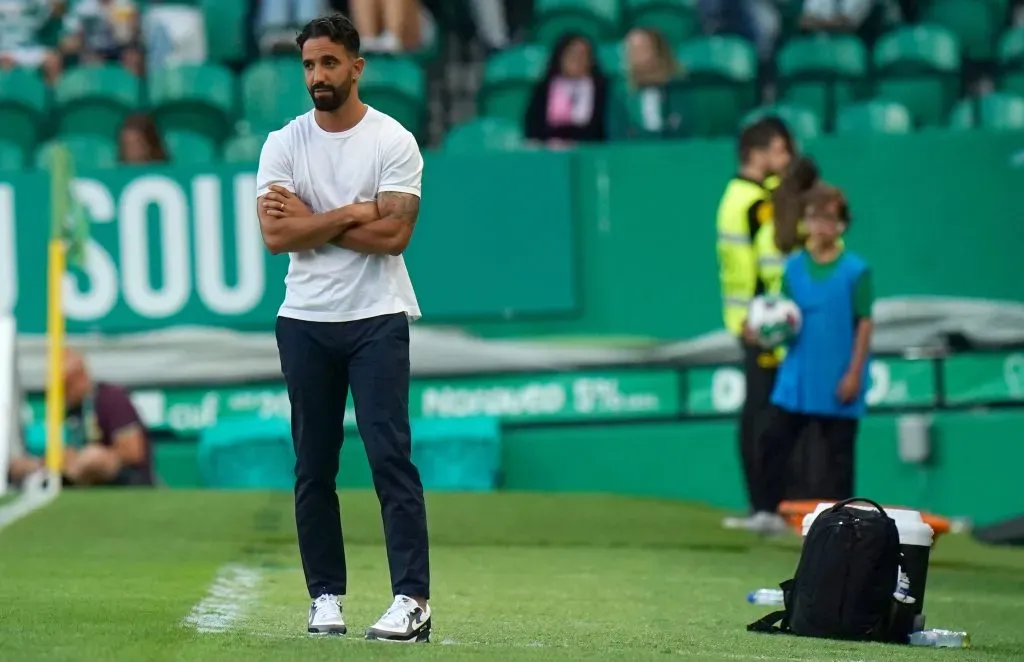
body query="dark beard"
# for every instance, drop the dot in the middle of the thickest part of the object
(333, 101)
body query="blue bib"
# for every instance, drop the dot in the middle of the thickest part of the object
(819, 356)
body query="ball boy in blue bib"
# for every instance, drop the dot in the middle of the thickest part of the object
(824, 377)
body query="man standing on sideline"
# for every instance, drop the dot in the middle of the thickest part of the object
(750, 264)
(339, 190)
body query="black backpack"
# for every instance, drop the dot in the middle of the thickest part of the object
(845, 580)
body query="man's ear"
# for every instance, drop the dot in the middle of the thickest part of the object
(357, 68)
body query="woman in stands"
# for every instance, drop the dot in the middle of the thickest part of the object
(569, 104)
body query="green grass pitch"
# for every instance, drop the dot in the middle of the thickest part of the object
(200, 576)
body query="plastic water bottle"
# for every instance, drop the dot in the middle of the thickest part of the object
(765, 596)
(941, 639)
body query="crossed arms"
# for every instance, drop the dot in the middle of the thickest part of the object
(380, 227)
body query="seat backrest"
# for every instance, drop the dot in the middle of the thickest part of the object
(1011, 48)
(485, 134)
(273, 93)
(111, 83)
(187, 147)
(918, 48)
(803, 122)
(243, 149)
(12, 157)
(210, 84)
(395, 73)
(726, 57)
(88, 152)
(598, 19)
(875, 116)
(24, 88)
(516, 64)
(840, 55)
(995, 110)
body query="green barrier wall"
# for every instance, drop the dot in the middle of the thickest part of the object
(614, 240)
(975, 471)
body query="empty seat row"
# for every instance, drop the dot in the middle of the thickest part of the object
(205, 99)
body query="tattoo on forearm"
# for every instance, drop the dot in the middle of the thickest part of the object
(404, 206)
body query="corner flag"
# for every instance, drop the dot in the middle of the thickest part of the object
(69, 232)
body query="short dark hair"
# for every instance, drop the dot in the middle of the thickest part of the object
(758, 135)
(783, 130)
(336, 27)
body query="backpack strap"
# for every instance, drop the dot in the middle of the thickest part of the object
(766, 625)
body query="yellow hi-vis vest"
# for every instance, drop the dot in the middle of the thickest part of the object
(749, 262)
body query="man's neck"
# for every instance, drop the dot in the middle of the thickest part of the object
(344, 118)
(753, 174)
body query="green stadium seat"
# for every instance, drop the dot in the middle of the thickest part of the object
(822, 72)
(397, 86)
(189, 148)
(803, 122)
(996, 110)
(273, 94)
(226, 25)
(88, 152)
(874, 116)
(485, 134)
(919, 66)
(508, 81)
(611, 56)
(243, 149)
(196, 98)
(597, 19)
(95, 100)
(720, 83)
(1011, 61)
(678, 20)
(12, 156)
(974, 22)
(22, 107)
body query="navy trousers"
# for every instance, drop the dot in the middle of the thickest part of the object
(321, 361)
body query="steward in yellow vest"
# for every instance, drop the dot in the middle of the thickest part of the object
(750, 264)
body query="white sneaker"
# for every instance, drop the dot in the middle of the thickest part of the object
(404, 621)
(768, 524)
(325, 616)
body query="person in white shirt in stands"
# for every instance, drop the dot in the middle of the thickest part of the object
(835, 15)
(339, 190)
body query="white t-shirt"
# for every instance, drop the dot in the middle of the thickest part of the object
(330, 170)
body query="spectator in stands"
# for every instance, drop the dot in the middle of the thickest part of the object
(646, 108)
(756, 20)
(139, 141)
(278, 21)
(393, 26)
(101, 31)
(106, 440)
(835, 15)
(569, 104)
(21, 23)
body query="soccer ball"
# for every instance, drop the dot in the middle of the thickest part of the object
(773, 319)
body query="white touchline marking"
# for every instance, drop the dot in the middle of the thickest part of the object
(230, 595)
(36, 492)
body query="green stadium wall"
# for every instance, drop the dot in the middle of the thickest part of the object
(609, 240)
(974, 472)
